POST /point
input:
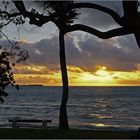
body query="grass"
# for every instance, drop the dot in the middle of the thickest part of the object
(9, 133)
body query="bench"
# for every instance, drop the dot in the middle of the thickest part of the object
(15, 122)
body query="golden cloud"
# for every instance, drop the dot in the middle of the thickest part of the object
(77, 76)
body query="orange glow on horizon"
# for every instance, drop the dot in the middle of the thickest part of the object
(77, 76)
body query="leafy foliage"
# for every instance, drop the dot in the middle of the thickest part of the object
(8, 54)
(6, 74)
(19, 20)
(64, 15)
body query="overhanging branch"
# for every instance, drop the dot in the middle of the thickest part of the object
(35, 18)
(109, 11)
(104, 35)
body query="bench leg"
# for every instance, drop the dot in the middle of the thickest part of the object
(44, 124)
(14, 124)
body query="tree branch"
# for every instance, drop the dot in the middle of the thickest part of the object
(104, 35)
(4, 25)
(35, 18)
(13, 46)
(109, 11)
(9, 15)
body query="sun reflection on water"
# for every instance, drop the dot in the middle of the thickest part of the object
(99, 116)
(99, 124)
(103, 125)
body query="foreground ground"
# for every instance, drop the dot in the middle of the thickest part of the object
(63, 134)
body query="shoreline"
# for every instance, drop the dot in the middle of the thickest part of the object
(20, 133)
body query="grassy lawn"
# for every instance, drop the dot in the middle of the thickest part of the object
(10, 133)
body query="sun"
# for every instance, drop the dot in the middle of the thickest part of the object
(86, 76)
(100, 77)
(102, 73)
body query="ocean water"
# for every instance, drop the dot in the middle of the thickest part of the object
(115, 108)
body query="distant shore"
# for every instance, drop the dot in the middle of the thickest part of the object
(31, 85)
(9, 133)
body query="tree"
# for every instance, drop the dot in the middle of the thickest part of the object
(62, 14)
(64, 17)
(6, 74)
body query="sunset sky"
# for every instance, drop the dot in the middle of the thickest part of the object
(90, 61)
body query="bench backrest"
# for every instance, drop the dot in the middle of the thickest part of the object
(31, 121)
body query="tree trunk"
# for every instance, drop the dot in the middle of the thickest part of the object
(137, 36)
(63, 119)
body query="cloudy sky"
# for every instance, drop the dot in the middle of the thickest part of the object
(90, 61)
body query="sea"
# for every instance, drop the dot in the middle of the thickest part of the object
(92, 108)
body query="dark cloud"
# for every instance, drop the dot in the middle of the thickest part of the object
(120, 53)
(43, 52)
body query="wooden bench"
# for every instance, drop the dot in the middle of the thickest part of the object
(15, 122)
